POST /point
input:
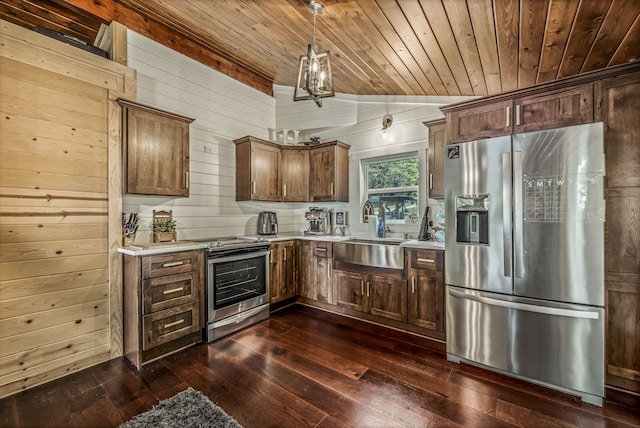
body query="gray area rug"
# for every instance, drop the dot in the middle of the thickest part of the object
(189, 408)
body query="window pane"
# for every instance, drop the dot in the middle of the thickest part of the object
(397, 173)
(396, 204)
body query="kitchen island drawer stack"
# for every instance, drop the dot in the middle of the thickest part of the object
(162, 304)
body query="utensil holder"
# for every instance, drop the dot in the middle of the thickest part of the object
(128, 240)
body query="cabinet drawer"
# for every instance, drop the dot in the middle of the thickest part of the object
(169, 264)
(323, 249)
(427, 259)
(167, 291)
(170, 324)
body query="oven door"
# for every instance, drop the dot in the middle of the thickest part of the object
(236, 283)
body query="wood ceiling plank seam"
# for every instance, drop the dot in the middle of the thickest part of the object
(406, 30)
(507, 13)
(437, 19)
(531, 40)
(75, 16)
(462, 32)
(615, 25)
(587, 24)
(560, 18)
(376, 59)
(629, 49)
(484, 28)
(396, 53)
(29, 20)
(433, 63)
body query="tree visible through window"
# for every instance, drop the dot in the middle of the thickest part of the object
(394, 182)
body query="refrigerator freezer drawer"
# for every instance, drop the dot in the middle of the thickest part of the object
(552, 343)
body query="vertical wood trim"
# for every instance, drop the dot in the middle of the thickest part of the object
(118, 43)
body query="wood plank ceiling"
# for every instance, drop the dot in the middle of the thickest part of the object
(378, 47)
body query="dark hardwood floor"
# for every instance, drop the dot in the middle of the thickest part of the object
(305, 367)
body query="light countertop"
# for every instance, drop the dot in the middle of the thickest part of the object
(161, 248)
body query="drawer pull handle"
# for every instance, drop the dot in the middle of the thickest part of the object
(421, 260)
(368, 289)
(171, 324)
(173, 290)
(172, 264)
(324, 250)
(413, 285)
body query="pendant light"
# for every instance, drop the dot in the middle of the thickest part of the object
(315, 80)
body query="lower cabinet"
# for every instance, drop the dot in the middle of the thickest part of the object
(426, 289)
(163, 304)
(282, 271)
(316, 271)
(384, 296)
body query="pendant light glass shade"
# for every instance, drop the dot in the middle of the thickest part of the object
(315, 80)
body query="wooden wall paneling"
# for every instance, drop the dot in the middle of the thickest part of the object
(60, 207)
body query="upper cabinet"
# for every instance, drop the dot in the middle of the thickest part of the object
(437, 141)
(156, 151)
(295, 174)
(522, 113)
(329, 172)
(267, 171)
(257, 170)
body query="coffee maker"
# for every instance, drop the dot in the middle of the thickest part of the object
(319, 221)
(267, 223)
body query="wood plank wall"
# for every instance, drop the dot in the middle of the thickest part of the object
(60, 304)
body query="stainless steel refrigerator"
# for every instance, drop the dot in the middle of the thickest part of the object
(525, 257)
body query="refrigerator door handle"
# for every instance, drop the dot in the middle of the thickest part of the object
(572, 313)
(506, 212)
(517, 214)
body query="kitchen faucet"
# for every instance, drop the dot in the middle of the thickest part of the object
(383, 222)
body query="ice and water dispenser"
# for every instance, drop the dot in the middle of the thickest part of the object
(472, 219)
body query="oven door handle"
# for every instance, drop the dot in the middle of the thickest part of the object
(243, 256)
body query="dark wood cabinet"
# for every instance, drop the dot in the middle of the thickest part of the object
(485, 121)
(329, 172)
(163, 304)
(617, 106)
(156, 151)
(295, 174)
(426, 289)
(437, 142)
(257, 170)
(554, 109)
(282, 271)
(316, 271)
(380, 295)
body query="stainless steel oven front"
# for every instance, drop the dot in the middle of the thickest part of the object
(237, 290)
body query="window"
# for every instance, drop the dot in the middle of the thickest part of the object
(392, 180)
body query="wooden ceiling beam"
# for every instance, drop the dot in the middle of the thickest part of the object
(161, 33)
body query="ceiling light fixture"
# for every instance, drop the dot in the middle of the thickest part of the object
(315, 80)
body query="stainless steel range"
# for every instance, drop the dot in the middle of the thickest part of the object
(237, 291)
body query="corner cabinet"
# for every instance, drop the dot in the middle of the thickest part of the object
(295, 174)
(437, 141)
(163, 304)
(329, 172)
(156, 150)
(257, 170)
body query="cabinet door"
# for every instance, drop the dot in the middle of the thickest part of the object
(288, 270)
(265, 172)
(549, 110)
(157, 154)
(324, 279)
(437, 141)
(491, 120)
(275, 291)
(387, 297)
(350, 290)
(322, 173)
(426, 299)
(295, 175)
(307, 284)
